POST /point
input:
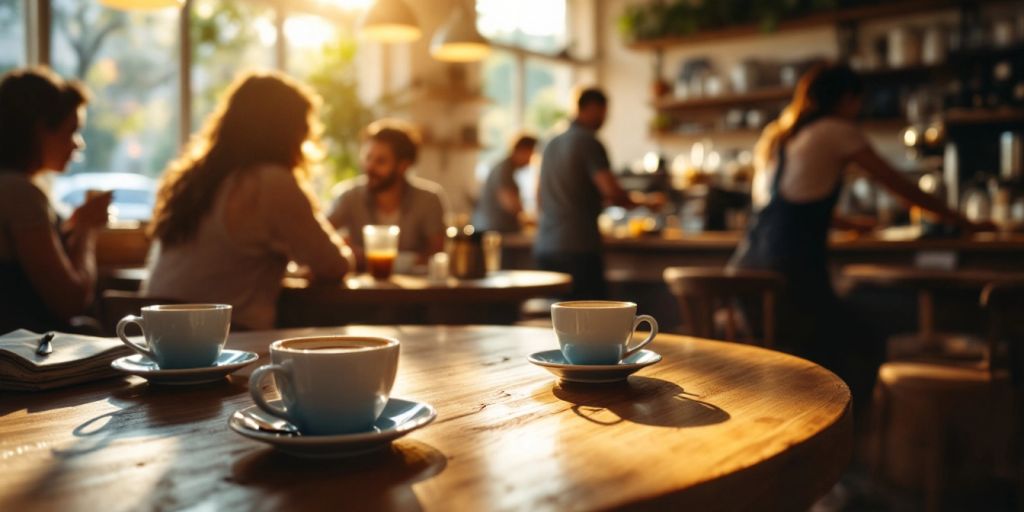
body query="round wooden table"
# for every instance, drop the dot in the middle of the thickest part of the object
(406, 299)
(925, 282)
(402, 299)
(714, 426)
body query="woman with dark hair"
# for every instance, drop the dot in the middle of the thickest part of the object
(47, 267)
(801, 159)
(236, 206)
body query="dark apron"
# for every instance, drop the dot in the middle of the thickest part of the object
(791, 239)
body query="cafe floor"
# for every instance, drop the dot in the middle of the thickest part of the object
(858, 491)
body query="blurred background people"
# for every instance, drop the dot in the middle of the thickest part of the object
(387, 194)
(236, 206)
(576, 183)
(500, 206)
(804, 156)
(47, 267)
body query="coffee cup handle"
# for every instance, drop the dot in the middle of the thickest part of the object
(257, 393)
(636, 323)
(137, 320)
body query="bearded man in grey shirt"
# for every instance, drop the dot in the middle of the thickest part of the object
(385, 194)
(575, 184)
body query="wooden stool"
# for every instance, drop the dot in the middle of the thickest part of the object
(942, 426)
(703, 293)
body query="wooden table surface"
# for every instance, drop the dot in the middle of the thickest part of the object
(500, 286)
(714, 426)
(495, 299)
(361, 289)
(403, 299)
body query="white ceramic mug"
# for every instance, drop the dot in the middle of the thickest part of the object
(180, 335)
(329, 384)
(598, 331)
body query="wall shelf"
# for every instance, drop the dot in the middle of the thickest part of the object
(978, 117)
(690, 136)
(823, 19)
(453, 145)
(725, 101)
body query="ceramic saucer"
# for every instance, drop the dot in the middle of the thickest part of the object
(228, 361)
(554, 362)
(398, 419)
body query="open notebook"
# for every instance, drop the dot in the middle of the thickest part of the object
(75, 358)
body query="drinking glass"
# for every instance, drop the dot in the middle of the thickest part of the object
(381, 243)
(492, 251)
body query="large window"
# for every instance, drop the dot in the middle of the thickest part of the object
(228, 38)
(12, 34)
(528, 90)
(129, 61)
(538, 25)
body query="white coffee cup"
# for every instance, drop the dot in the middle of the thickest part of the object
(598, 331)
(180, 335)
(329, 384)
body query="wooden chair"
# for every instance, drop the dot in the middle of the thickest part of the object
(1004, 303)
(115, 304)
(704, 293)
(939, 426)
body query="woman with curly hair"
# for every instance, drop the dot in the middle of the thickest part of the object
(235, 208)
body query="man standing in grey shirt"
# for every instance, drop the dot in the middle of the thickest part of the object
(575, 183)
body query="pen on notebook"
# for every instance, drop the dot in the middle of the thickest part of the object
(45, 347)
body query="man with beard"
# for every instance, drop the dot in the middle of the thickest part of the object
(386, 194)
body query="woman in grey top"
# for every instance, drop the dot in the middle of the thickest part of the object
(47, 267)
(236, 206)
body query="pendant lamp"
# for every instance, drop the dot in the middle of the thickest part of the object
(458, 39)
(131, 5)
(390, 21)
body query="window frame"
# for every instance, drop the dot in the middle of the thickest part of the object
(39, 29)
(521, 55)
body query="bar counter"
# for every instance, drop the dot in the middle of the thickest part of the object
(634, 266)
(644, 258)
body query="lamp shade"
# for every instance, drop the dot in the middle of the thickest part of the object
(458, 39)
(390, 21)
(141, 4)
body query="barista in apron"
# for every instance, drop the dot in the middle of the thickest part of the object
(813, 141)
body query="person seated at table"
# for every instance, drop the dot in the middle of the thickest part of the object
(802, 160)
(236, 206)
(47, 267)
(499, 207)
(387, 194)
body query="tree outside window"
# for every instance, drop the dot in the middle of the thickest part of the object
(12, 34)
(129, 61)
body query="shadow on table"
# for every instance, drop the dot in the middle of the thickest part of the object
(380, 480)
(145, 412)
(62, 398)
(643, 400)
(153, 411)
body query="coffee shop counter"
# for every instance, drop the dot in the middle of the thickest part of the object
(635, 265)
(644, 258)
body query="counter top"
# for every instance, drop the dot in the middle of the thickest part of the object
(901, 240)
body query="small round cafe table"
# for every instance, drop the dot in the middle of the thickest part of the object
(494, 299)
(404, 299)
(713, 426)
(925, 282)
